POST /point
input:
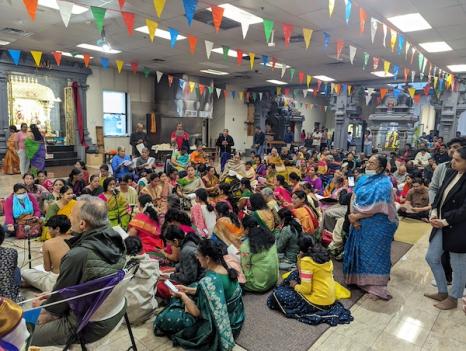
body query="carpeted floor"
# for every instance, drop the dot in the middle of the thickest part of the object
(410, 230)
(265, 329)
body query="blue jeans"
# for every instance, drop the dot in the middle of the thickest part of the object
(224, 157)
(458, 263)
(260, 151)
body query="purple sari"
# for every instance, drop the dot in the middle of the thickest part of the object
(38, 161)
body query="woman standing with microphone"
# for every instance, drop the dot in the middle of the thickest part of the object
(448, 219)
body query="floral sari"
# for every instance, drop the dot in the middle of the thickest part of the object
(210, 183)
(148, 231)
(117, 210)
(11, 159)
(222, 315)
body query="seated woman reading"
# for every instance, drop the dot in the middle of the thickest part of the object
(193, 320)
(310, 293)
(117, 206)
(233, 167)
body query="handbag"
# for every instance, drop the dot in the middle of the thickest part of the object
(326, 238)
(35, 227)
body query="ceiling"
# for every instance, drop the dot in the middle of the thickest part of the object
(447, 18)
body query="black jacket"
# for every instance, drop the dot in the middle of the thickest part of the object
(454, 212)
(259, 139)
(225, 148)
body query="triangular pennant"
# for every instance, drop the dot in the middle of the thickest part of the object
(128, 18)
(121, 3)
(241, 94)
(173, 36)
(252, 56)
(383, 92)
(31, 7)
(218, 90)
(396, 93)
(192, 40)
(146, 71)
(319, 83)
(338, 89)
(86, 59)
(308, 80)
(326, 39)
(265, 60)
(424, 64)
(396, 71)
(190, 9)
(274, 62)
(104, 62)
(239, 56)
(283, 70)
(201, 89)
(192, 85)
(244, 28)
(375, 62)
(15, 55)
(287, 31)
(348, 10)
(385, 28)
(307, 34)
(412, 91)
(279, 91)
(292, 72)
(170, 80)
(233, 94)
(426, 89)
(331, 7)
(260, 96)
(420, 61)
(408, 45)
(401, 43)
(366, 60)
(268, 27)
(159, 76)
(417, 99)
(37, 56)
(134, 67)
(286, 91)
(413, 76)
(152, 27)
(57, 56)
(208, 48)
(226, 50)
(225, 93)
(254, 96)
(99, 14)
(119, 64)
(340, 46)
(352, 53)
(413, 51)
(159, 6)
(374, 25)
(405, 73)
(386, 66)
(435, 82)
(368, 96)
(348, 89)
(362, 19)
(305, 91)
(393, 36)
(301, 77)
(217, 16)
(65, 8)
(181, 83)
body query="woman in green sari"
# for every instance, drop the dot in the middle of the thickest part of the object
(208, 315)
(117, 205)
(191, 182)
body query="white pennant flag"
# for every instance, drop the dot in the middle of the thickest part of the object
(424, 65)
(374, 25)
(369, 95)
(408, 45)
(304, 93)
(352, 53)
(219, 91)
(159, 76)
(413, 75)
(260, 96)
(384, 34)
(65, 9)
(244, 28)
(421, 75)
(208, 48)
(283, 70)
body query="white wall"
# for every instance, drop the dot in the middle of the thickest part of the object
(140, 92)
(312, 115)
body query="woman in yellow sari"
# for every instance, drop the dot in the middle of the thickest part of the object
(261, 212)
(211, 181)
(118, 214)
(303, 212)
(228, 229)
(63, 206)
(11, 159)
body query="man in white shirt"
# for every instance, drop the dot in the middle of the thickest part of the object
(422, 158)
(316, 138)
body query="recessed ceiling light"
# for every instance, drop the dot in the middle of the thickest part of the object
(69, 54)
(239, 15)
(324, 78)
(382, 74)
(3, 42)
(277, 65)
(231, 52)
(436, 46)
(311, 90)
(410, 23)
(52, 4)
(160, 33)
(98, 48)
(212, 71)
(277, 82)
(457, 68)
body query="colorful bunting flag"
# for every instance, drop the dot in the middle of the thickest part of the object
(413, 76)
(57, 56)
(413, 51)
(292, 72)
(352, 53)
(208, 48)
(104, 62)
(121, 3)
(233, 94)
(366, 60)
(217, 16)
(412, 91)
(287, 31)
(192, 40)
(268, 28)
(99, 14)
(201, 89)
(331, 7)
(146, 71)
(384, 35)
(305, 91)
(244, 28)
(170, 80)
(362, 19)
(396, 71)
(348, 4)
(375, 62)
(408, 45)
(37, 56)
(192, 85)
(159, 6)
(393, 36)
(31, 7)
(386, 66)
(417, 99)
(159, 76)
(190, 9)
(252, 56)
(301, 77)
(374, 25)
(173, 36)
(218, 91)
(260, 96)
(65, 8)
(426, 89)
(424, 64)
(283, 70)
(86, 60)
(239, 56)
(226, 50)
(15, 55)
(340, 46)
(405, 73)
(119, 64)
(348, 89)
(279, 91)
(420, 61)
(265, 60)
(401, 43)
(308, 80)
(307, 34)
(152, 27)
(383, 92)
(326, 39)
(128, 18)
(241, 94)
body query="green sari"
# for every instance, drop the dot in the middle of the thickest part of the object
(117, 209)
(222, 315)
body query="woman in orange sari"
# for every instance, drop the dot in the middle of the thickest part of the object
(228, 229)
(146, 225)
(303, 212)
(11, 159)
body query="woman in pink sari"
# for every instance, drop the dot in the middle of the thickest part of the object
(281, 192)
(146, 225)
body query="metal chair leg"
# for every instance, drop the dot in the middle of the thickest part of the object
(130, 332)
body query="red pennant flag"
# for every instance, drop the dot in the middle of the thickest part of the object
(375, 62)
(427, 89)
(192, 40)
(225, 93)
(274, 62)
(201, 88)
(86, 59)
(315, 92)
(121, 3)
(31, 7)
(217, 16)
(340, 46)
(406, 72)
(239, 56)
(170, 80)
(301, 77)
(57, 55)
(286, 91)
(128, 18)
(287, 31)
(417, 99)
(362, 19)
(134, 67)
(383, 92)
(319, 82)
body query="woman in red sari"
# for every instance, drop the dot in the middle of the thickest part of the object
(146, 225)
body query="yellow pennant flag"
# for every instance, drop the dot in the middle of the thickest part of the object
(349, 89)
(192, 85)
(241, 95)
(394, 34)
(152, 27)
(331, 6)
(332, 88)
(435, 82)
(37, 56)
(449, 80)
(279, 91)
(386, 66)
(308, 80)
(252, 57)
(159, 6)
(412, 91)
(307, 34)
(119, 64)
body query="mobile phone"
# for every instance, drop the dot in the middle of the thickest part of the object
(170, 285)
(351, 181)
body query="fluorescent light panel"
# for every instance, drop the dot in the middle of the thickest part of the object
(98, 48)
(436, 46)
(160, 33)
(69, 54)
(311, 90)
(277, 65)
(457, 68)
(52, 4)
(324, 78)
(277, 82)
(214, 72)
(231, 52)
(411, 22)
(238, 15)
(382, 74)
(4, 42)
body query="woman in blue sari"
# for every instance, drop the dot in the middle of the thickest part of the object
(373, 221)
(207, 315)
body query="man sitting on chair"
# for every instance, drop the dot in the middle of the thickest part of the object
(96, 251)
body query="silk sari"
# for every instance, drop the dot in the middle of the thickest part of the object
(148, 231)
(117, 210)
(11, 159)
(53, 210)
(307, 218)
(226, 231)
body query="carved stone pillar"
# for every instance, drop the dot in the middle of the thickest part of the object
(4, 116)
(338, 104)
(448, 116)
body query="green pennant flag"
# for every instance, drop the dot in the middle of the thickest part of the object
(292, 71)
(99, 15)
(421, 60)
(146, 71)
(226, 49)
(366, 59)
(268, 27)
(211, 89)
(254, 95)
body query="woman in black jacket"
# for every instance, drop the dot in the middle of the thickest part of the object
(448, 219)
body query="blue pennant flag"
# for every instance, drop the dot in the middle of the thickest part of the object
(396, 71)
(265, 59)
(104, 62)
(348, 11)
(15, 55)
(401, 44)
(181, 83)
(396, 93)
(190, 9)
(173, 36)
(233, 94)
(326, 39)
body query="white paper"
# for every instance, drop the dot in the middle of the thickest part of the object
(121, 231)
(140, 146)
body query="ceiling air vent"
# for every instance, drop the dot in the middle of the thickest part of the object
(158, 60)
(14, 33)
(205, 16)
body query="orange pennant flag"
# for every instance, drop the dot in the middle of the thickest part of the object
(128, 18)
(31, 7)
(239, 56)
(287, 31)
(192, 40)
(340, 46)
(57, 55)
(217, 15)
(119, 64)
(86, 59)
(308, 80)
(406, 72)
(252, 56)
(417, 99)
(152, 27)
(201, 89)
(362, 19)
(134, 67)
(37, 56)
(383, 92)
